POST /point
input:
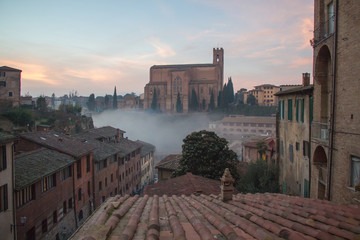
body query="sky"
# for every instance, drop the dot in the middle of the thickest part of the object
(91, 46)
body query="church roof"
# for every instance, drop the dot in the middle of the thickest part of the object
(247, 216)
(183, 66)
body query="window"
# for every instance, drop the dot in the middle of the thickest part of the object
(78, 169)
(70, 203)
(300, 110)
(66, 173)
(2, 74)
(48, 182)
(64, 207)
(282, 148)
(2, 84)
(88, 189)
(297, 146)
(79, 194)
(291, 153)
(81, 215)
(3, 162)
(113, 159)
(100, 186)
(355, 171)
(290, 109)
(44, 226)
(25, 195)
(88, 163)
(3, 198)
(331, 17)
(55, 217)
(10, 94)
(306, 149)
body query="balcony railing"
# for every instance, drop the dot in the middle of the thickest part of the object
(325, 30)
(320, 131)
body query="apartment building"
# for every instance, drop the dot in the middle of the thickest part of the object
(7, 209)
(264, 94)
(147, 163)
(293, 128)
(335, 130)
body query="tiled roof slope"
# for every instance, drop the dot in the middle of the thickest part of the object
(102, 132)
(32, 166)
(170, 162)
(102, 150)
(187, 184)
(126, 146)
(6, 137)
(250, 216)
(146, 148)
(60, 142)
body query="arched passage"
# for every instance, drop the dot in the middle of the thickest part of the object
(323, 73)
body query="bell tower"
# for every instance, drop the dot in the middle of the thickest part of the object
(218, 59)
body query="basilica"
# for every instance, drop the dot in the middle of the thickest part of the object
(167, 81)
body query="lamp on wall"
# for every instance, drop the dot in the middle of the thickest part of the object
(22, 223)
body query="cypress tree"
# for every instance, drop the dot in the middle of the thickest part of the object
(230, 91)
(194, 105)
(115, 105)
(212, 101)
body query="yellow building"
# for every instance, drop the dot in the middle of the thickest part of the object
(264, 94)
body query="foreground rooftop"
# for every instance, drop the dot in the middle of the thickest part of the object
(250, 216)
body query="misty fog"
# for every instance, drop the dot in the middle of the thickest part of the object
(164, 131)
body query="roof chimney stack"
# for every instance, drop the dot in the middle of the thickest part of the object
(227, 186)
(305, 79)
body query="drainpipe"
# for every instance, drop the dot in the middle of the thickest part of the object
(332, 116)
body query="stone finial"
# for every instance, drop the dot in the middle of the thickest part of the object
(227, 187)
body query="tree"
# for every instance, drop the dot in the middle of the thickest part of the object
(251, 100)
(207, 155)
(115, 105)
(179, 106)
(260, 177)
(91, 102)
(41, 104)
(154, 101)
(194, 105)
(212, 101)
(230, 91)
(261, 148)
(53, 101)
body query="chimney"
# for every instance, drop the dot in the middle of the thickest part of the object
(118, 135)
(305, 79)
(227, 187)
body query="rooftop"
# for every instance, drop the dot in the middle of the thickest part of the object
(247, 119)
(297, 90)
(102, 150)
(170, 162)
(183, 66)
(9, 69)
(63, 143)
(126, 146)
(250, 216)
(31, 167)
(146, 148)
(187, 184)
(102, 132)
(6, 137)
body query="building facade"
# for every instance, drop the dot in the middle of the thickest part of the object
(335, 130)
(7, 210)
(264, 94)
(147, 164)
(294, 121)
(10, 86)
(166, 81)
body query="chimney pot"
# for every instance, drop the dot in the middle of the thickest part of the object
(305, 79)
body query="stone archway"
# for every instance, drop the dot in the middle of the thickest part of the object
(320, 161)
(322, 75)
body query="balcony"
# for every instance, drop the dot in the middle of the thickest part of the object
(324, 31)
(320, 131)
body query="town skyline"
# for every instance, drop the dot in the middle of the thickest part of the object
(95, 47)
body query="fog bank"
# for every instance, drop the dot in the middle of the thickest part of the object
(164, 131)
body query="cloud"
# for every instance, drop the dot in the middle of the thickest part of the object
(299, 62)
(162, 50)
(267, 53)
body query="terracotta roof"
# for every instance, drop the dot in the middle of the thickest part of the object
(247, 119)
(170, 162)
(268, 141)
(6, 137)
(102, 132)
(60, 142)
(102, 150)
(31, 167)
(9, 69)
(125, 146)
(187, 184)
(307, 89)
(250, 216)
(146, 148)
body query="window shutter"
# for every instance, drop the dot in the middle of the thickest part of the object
(290, 113)
(297, 110)
(4, 157)
(302, 110)
(5, 197)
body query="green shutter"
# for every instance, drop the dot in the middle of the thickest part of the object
(306, 189)
(290, 112)
(282, 109)
(311, 103)
(297, 110)
(302, 110)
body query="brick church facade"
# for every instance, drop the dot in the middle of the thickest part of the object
(169, 80)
